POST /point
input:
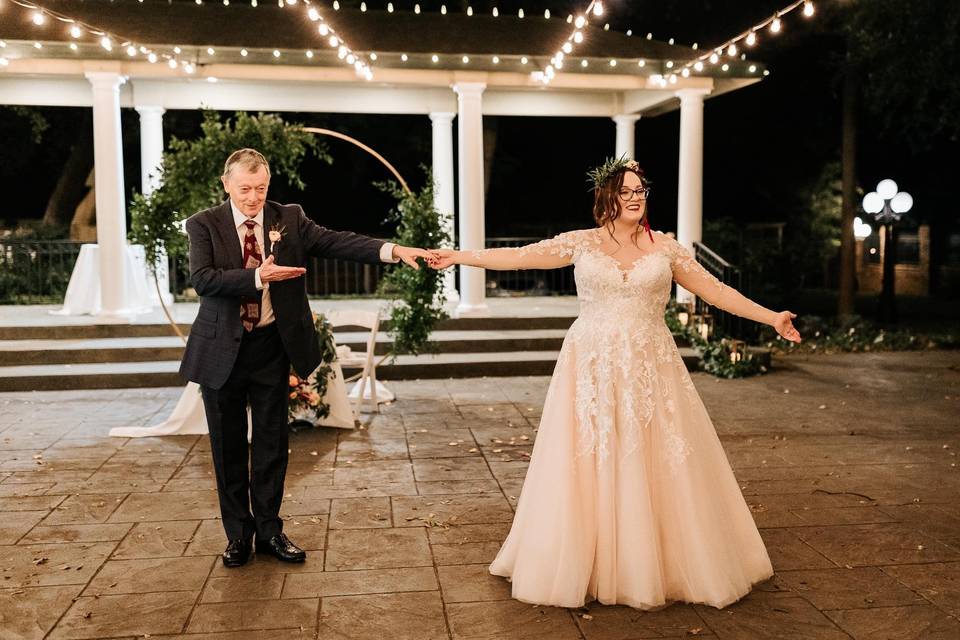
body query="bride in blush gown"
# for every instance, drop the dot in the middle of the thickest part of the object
(629, 497)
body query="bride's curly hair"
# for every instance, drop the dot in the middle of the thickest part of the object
(606, 202)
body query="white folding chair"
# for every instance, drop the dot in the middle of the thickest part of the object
(365, 360)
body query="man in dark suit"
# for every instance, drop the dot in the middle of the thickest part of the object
(254, 322)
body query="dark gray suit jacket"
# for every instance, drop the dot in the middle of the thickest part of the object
(217, 274)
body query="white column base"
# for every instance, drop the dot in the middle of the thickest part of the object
(466, 310)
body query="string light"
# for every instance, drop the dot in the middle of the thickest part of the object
(576, 37)
(749, 37)
(38, 18)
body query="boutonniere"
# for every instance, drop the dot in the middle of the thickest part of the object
(275, 235)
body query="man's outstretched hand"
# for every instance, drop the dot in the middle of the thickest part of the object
(410, 254)
(270, 272)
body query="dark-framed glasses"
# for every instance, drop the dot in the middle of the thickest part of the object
(642, 193)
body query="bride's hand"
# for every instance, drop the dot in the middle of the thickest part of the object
(785, 327)
(442, 259)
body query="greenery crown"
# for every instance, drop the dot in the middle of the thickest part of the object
(611, 166)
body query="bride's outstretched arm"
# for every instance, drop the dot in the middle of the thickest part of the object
(691, 275)
(551, 253)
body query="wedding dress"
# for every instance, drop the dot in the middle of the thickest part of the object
(629, 497)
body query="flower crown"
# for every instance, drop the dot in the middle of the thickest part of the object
(601, 174)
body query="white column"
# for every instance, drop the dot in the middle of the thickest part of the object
(151, 147)
(108, 185)
(690, 194)
(471, 218)
(626, 129)
(151, 157)
(443, 187)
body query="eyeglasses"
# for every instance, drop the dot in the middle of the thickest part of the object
(642, 193)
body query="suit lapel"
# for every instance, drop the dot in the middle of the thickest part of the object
(224, 217)
(271, 219)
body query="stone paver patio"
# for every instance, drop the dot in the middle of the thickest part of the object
(848, 463)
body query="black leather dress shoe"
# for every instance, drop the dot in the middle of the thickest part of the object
(237, 553)
(280, 547)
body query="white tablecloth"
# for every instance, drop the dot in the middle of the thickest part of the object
(189, 418)
(140, 292)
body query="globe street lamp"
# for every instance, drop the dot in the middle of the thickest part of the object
(887, 205)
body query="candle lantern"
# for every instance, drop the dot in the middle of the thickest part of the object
(704, 325)
(737, 350)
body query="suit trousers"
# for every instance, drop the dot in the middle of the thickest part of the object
(259, 377)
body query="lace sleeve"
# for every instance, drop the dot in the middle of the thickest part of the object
(552, 253)
(693, 277)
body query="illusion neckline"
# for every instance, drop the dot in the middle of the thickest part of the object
(619, 265)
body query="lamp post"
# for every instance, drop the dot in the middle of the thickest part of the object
(887, 205)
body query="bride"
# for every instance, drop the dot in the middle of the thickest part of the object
(629, 497)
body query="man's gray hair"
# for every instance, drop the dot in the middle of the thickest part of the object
(249, 159)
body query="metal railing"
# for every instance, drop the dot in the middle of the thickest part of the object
(36, 271)
(725, 323)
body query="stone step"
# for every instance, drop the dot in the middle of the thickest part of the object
(122, 375)
(159, 330)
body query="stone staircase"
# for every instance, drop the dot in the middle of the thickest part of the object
(100, 356)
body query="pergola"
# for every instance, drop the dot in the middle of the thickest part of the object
(449, 67)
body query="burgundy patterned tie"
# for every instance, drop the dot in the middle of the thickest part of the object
(250, 307)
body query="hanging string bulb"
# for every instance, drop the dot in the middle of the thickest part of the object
(776, 25)
(808, 9)
(598, 9)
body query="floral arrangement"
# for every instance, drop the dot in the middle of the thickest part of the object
(601, 174)
(306, 395)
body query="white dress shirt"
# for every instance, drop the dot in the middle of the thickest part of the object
(266, 309)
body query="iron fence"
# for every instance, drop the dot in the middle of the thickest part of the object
(36, 271)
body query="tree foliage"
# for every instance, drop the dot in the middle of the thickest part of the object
(191, 169)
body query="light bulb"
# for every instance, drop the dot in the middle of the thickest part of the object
(520, 13)
(776, 25)
(714, 58)
(363, 7)
(435, 58)
(211, 51)
(466, 59)
(38, 18)
(131, 51)
(641, 62)
(469, 11)
(334, 41)
(443, 9)
(244, 52)
(584, 63)
(496, 12)
(578, 36)
(323, 30)
(613, 63)
(698, 66)
(685, 73)
(276, 53)
(523, 60)
(73, 46)
(567, 47)
(725, 67)
(732, 50)
(389, 7)
(872, 202)
(887, 189)
(496, 59)
(598, 9)
(546, 13)
(106, 43)
(309, 54)
(669, 64)
(579, 22)
(416, 8)
(313, 14)
(75, 31)
(351, 59)
(404, 57)
(172, 63)
(752, 68)
(902, 202)
(808, 9)
(751, 38)
(373, 56)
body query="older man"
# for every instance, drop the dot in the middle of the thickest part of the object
(247, 259)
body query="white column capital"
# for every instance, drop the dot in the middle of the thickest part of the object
(692, 94)
(150, 110)
(440, 117)
(626, 118)
(105, 79)
(465, 89)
